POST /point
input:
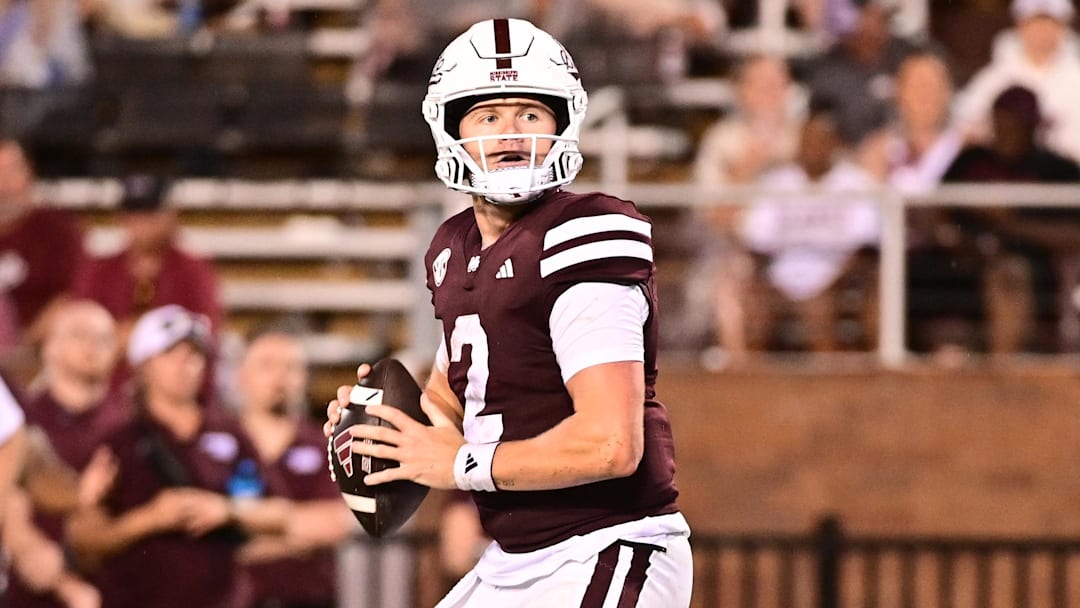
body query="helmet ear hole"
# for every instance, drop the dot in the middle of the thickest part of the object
(450, 170)
(579, 101)
(430, 110)
(569, 164)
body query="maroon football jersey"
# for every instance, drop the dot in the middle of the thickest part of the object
(495, 306)
(300, 474)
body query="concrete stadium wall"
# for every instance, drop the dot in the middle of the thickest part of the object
(987, 451)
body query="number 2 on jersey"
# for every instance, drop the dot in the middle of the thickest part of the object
(478, 428)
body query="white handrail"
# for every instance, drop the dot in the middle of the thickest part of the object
(423, 202)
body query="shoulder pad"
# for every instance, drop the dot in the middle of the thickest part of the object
(595, 237)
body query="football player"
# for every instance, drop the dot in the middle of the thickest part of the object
(542, 395)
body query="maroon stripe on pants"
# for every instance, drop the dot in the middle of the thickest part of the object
(601, 578)
(604, 572)
(635, 577)
(502, 43)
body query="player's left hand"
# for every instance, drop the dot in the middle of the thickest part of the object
(425, 453)
(333, 409)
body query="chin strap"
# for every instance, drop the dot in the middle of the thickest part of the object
(514, 185)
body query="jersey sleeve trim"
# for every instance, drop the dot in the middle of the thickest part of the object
(595, 224)
(588, 252)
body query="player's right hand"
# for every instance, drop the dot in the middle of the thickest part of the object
(333, 409)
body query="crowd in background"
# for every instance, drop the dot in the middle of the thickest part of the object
(143, 483)
(161, 469)
(875, 110)
(119, 351)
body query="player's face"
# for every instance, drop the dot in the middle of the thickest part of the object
(273, 375)
(507, 118)
(176, 374)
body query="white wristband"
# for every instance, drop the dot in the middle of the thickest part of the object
(472, 467)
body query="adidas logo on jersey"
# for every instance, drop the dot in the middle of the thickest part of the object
(506, 271)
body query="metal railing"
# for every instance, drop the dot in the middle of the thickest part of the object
(426, 201)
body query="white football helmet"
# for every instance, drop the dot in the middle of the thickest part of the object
(503, 58)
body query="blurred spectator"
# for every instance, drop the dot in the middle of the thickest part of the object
(42, 44)
(1041, 54)
(12, 443)
(920, 143)
(272, 379)
(38, 564)
(148, 19)
(134, 18)
(43, 575)
(71, 400)
(70, 405)
(912, 155)
(761, 133)
(152, 270)
(188, 488)
(809, 231)
(856, 74)
(1010, 241)
(38, 248)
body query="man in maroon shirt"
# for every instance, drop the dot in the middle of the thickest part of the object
(188, 489)
(39, 247)
(152, 270)
(72, 405)
(272, 379)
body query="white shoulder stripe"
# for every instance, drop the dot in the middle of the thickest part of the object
(595, 224)
(622, 248)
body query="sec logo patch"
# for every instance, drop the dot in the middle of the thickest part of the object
(438, 267)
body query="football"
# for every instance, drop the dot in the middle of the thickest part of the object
(381, 509)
